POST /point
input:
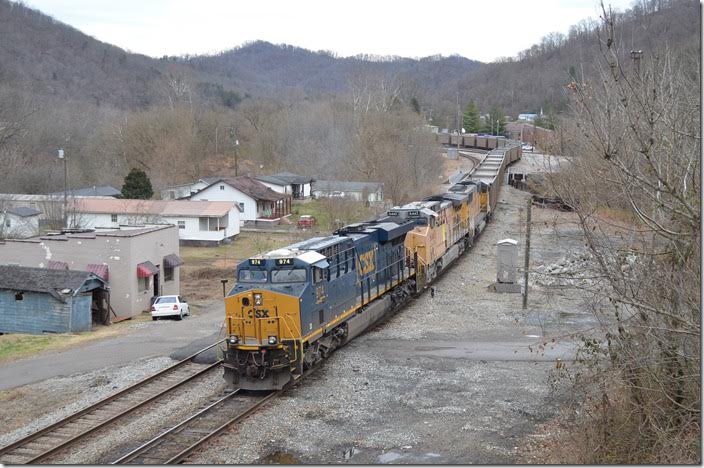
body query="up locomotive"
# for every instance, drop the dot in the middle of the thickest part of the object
(291, 307)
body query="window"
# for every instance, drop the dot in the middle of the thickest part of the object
(222, 187)
(252, 276)
(166, 300)
(317, 275)
(143, 284)
(208, 224)
(181, 224)
(19, 296)
(241, 207)
(296, 275)
(113, 218)
(168, 273)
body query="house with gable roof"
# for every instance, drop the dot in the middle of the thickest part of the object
(257, 202)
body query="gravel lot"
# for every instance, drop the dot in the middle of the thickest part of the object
(458, 378)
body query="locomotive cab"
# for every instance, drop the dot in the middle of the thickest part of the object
(263, 317)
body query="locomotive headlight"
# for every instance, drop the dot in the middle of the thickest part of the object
(272, 340)
(233, 340)
(257, 299)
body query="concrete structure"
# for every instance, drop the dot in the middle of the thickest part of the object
(19, 223)
(257, 202)
(299, 187)
(199, 223)
(360, 191)
(138, 263)
(38, 300)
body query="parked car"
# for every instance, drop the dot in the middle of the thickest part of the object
(306, 221)
(170, 306)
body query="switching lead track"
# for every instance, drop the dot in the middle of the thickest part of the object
(41, 445)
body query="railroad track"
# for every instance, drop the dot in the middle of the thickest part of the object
(40, 445)
(176, 443)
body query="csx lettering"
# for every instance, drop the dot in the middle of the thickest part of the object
(261, 313)
(366, 263)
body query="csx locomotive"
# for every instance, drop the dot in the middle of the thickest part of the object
(291, 307)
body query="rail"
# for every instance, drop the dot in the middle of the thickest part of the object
(45, 442)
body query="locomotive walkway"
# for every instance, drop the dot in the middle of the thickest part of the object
(146, 340)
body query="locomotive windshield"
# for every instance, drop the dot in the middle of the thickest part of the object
(252, 276)
(296, 275)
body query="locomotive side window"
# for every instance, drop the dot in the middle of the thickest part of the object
(252, 276)
(317, 275)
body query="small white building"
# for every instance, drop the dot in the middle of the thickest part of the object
(19, 223)
(199, 223)
(359, 191)
(176, 192)
(299, 187)
(256, 201)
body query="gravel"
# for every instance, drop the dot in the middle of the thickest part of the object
(451, 379)
(412, 390)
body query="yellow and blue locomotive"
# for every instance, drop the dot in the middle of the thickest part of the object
(292, 306)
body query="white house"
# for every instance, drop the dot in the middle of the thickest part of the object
(19, 223)
(256, 201)
(199, 223)
(360, 191)
(299, 187)
(176, 192)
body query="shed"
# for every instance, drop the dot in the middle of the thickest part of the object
(38, 300)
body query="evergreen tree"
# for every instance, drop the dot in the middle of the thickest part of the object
(415, 105)
(470, 119)
(490, 124)
(137, 185)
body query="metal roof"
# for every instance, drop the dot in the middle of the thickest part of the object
(154, 207)
(101, 191)
(23, 211)
(346, 186)
(59, 283)
(284, 178)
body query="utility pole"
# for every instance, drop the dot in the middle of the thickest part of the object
(65, 214)
(235, 148)
(459, 126)
(527, 254)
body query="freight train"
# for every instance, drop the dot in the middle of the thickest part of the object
(291, 307)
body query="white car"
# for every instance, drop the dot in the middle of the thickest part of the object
(170, 306)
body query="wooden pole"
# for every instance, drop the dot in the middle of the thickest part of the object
(527, 254)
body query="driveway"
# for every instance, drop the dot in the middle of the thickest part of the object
(144, 340)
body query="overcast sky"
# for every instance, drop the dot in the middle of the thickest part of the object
(480, 30)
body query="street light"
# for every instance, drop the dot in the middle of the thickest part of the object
(65, 159)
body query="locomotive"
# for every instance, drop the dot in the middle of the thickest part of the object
(291, 307)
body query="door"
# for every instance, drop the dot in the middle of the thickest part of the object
(157, 289)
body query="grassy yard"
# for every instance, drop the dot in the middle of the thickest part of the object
(332, 212)
(19, 345)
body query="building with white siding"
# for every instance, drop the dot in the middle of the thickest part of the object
(299, 187)
(256, 201)
(199, 222)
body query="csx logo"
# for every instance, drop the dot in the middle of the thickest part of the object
(366, 263)
(261, 313)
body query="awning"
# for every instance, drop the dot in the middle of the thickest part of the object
(100, 269)
(146, 269)
(56, 265)
(172, 260)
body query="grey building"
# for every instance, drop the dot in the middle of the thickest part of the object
(360, 191)
(38, 300)
(138, 263)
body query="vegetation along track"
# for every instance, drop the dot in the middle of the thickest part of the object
(176, 443)
(39, 446)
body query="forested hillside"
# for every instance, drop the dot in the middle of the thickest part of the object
(289, 108)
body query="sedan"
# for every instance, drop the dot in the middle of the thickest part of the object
(170, 306)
